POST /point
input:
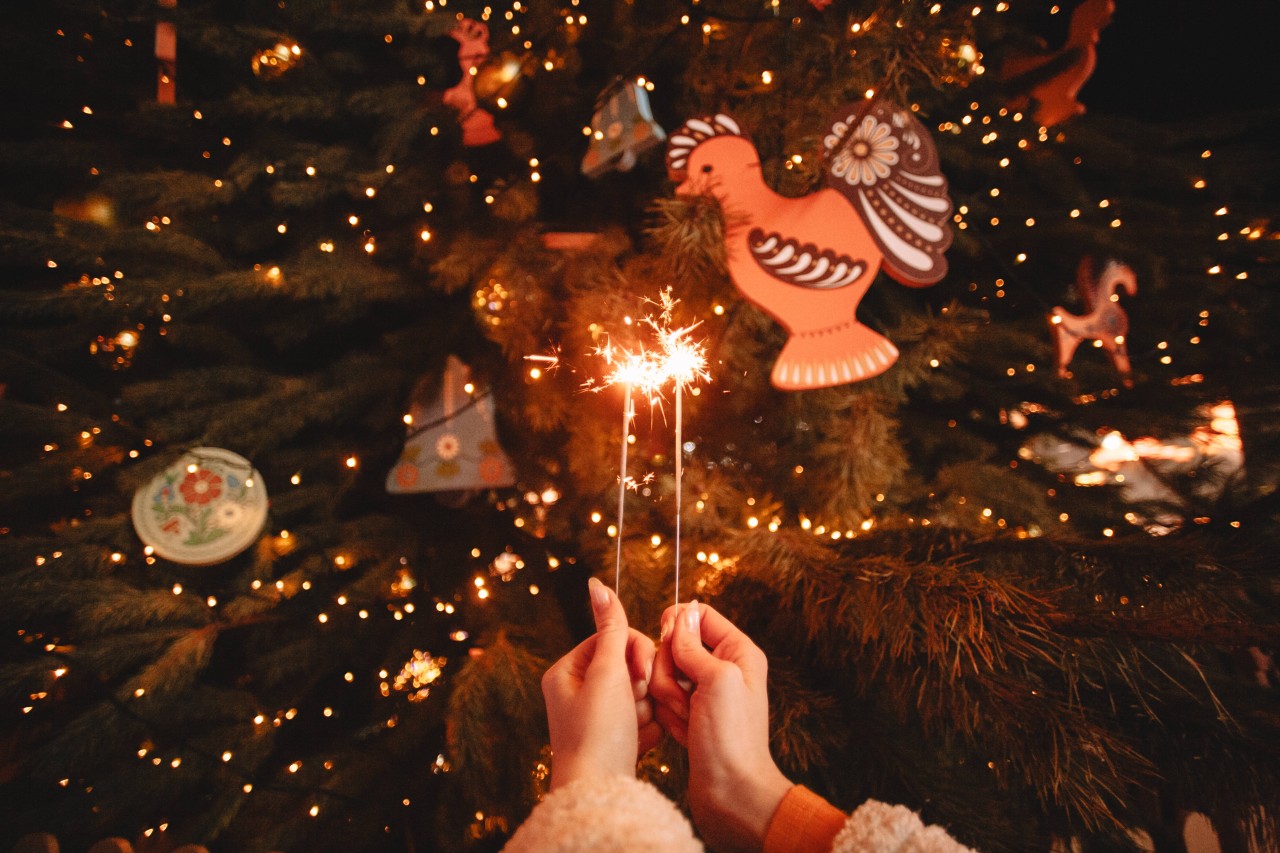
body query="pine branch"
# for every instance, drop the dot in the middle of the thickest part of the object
(496, 698)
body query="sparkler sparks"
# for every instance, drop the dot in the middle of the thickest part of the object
(678, 359)
(551, 361)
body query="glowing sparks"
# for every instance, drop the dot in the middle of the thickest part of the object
(640, 370)
(551, 361)
(634, 485)
(678, 359)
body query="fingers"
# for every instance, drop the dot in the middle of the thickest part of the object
(640, 657)
(611, 622)
(715, 628)
(567, 673)
(675, 725)
(687, 650)
(728, 643)
(649, 736)
(663, 686)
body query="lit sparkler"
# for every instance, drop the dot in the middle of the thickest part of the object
(632, 370)
(682, 362)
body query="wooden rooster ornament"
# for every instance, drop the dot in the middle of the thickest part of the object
(1105, 321)
(1047, 83)
(808, 261)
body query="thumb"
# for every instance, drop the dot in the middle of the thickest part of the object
(611, 622)
(686, 644)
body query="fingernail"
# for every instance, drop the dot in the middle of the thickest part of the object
(667, 622)
(692, 616)
(599, 594)
(648, 674)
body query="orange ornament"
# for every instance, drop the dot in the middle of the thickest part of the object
(808, 261)
(477, 124)
(1046, 83)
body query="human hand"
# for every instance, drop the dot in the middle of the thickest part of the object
(598, 709)
(734, 784)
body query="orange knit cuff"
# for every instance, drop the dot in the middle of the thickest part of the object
(803, 823)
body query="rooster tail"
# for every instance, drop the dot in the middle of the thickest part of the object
(846, 353)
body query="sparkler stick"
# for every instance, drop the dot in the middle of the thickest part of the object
(628, 413)
(679, 474)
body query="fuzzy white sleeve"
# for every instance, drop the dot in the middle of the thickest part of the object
(876, 827)
(615, 815)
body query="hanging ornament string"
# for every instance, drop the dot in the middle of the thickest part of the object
(451, 412)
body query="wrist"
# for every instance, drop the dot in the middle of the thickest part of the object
(742, 812)
(567, 771)
(762, 803)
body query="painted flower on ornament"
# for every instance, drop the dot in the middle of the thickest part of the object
(229, 515)
(447, 446)
(868, 156)
(406, 476)
(492, 469)
(200, 486)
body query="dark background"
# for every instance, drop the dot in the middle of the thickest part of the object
(1177, 59)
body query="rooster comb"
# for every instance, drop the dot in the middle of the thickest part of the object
(693, 133)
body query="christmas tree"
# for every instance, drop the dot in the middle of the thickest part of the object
(315, 390)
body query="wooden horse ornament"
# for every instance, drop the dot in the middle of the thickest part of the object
(1105, 322)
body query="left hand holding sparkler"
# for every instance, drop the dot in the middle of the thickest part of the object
(598, 708)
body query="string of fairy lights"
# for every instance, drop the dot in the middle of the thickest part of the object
(999, 128)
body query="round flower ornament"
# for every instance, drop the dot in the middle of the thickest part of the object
(204, 509)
